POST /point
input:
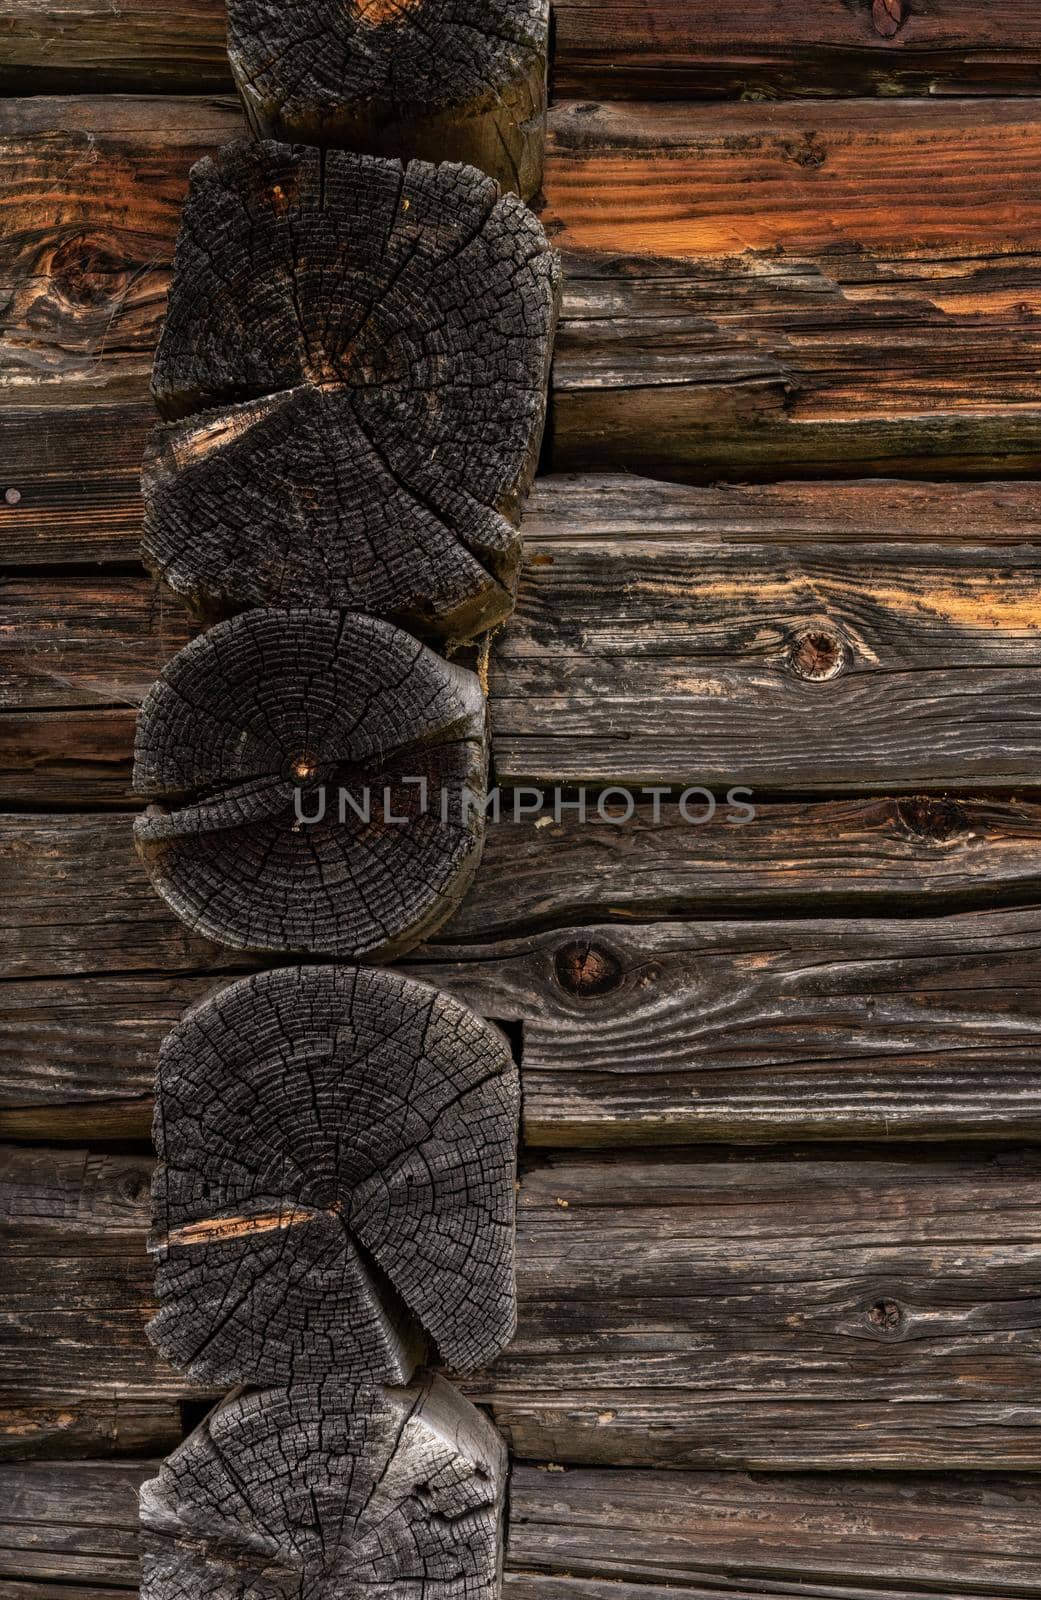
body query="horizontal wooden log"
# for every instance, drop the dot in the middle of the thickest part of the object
(78, 900)
(604, 49)
(699, 339)
(72, 517)
(706, 1535)
(784, 1311)
(576, 1533)
(749, 1031)
(102, 1427)
(802, 667)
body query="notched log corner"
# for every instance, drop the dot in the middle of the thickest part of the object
(336, 1185)
(321, 778)
(447, 80)
(329, 1489)
(353, 371)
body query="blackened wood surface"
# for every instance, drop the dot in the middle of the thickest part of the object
(603, 48)
(445, 80)
(335, 1190)
(325, 1488)
(581, 1533)
(354, 418)
(811, 1309)
(698, 339)
(238, 742)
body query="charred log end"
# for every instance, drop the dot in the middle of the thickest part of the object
(358, 840)
(336, 1188)
(357, 422)
(386, 80)
(322, 1487)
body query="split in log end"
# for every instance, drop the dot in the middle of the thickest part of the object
(333, 1490)
(336, 1182)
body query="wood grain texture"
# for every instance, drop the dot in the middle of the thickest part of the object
(78, 900)
(913, 1028)
(765, 49)
(830, 324)
(355, 419)
(444, 80)
(582, 1533)
(821, 1310)
(335, 1189)
(239, 740)
(762, 296)
(604, 49)
(327, 1487)
(796, 667)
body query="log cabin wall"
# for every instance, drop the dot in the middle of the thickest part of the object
(778, 1233)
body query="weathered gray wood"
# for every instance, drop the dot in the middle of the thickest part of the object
(706, 1535)
(786, 1310)
(70, 1523)
(364, 388)
(88, 1428)
(915, 1028)
(335, 1190)
(583, 1533)
(447, 80)
(325, 1488)
(239, 741)
(783, 668)
(77, 899)
(897, 336)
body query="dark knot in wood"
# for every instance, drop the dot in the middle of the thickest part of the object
(817, 656)
(888, 17)
(930, 818)
(587, 969)
(85, 273)
(885, 1316)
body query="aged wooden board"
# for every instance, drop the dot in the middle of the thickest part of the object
(918, 1028)
(76, 898)
(786, 668)
(603, 48)
(789, 1310)
(699, 339)
(584, 1533)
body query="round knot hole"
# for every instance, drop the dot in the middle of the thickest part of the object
(885, 1315)
(928, 818)
(817, 656)
(587, 969)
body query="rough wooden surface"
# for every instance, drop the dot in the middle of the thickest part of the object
(362, 401)
(335, 1191)
(795, 668)
(325, 1488)
(831, 324)
(788, 1310)
(446, 80)
(244, 737)
(580, 1534)
(603, 49)
(848, 1028)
